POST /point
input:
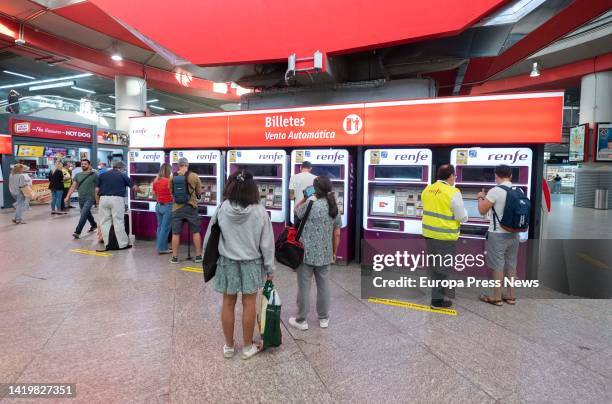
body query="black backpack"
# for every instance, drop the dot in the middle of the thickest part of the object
(517, 211)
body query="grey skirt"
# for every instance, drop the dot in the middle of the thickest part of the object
(233, 277)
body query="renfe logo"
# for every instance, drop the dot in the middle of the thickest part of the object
(151, 156)
(270, 156)
(206, 157)
(419, 156)
(330, 157)
(508, 157)
(352, 124)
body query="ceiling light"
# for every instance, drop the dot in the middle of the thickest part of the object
(83, 90)
(220, 88)
(112, 96)
(19, 74)
(535, 70)
(153, 100)
(106, 109)
(177, 112)
(76, 76)
(116, 57)
(156, 107)
(52, 85)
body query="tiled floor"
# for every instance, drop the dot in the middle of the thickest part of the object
(133, 328)
(569, 222)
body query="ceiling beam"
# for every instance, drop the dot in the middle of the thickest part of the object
(99, 63)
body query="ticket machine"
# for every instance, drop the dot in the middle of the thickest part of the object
(475, 172)
(393, 182)
(143, 168)
(269, 168)
(337, 165)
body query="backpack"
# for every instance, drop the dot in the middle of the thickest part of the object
(516, 212)
(180, 192)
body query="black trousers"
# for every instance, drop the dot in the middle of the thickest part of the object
(437, 271)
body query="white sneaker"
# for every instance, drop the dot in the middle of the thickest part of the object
(228, 351)
(324, 322)
(295, 324)
(248, 353)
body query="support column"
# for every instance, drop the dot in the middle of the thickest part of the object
(130, 100)
(596, 98)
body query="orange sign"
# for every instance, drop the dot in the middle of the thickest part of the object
(299, 127)
(204, 131)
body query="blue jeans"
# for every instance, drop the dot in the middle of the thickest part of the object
(85, 205)
(20, 205)
(164, 220)
(56, 199)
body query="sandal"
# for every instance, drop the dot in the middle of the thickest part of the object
(510, 301)
(487, 299)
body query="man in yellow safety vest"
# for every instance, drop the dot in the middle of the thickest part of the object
(443, 212)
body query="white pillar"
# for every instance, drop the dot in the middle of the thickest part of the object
(596, 98)
(130, 100)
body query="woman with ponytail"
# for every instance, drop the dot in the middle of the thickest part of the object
(246, 250)
(321, 236)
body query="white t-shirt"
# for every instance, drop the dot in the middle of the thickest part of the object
(299, 182)
(497, 197)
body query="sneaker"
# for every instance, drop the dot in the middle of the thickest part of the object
(248, 353)
(300, 325)
(54, 212)
(92, 229)
(76, 235)
(173, 260)
(441, 304)
(164, 252)
(228, 351)
(16, 221)
(324, 322)
(197, 259)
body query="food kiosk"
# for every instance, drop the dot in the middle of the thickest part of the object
(337, 165)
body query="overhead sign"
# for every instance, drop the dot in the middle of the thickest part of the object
(48, 130)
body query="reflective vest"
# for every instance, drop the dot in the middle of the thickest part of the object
(438, 219)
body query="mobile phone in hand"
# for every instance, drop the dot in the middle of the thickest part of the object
(308, 192)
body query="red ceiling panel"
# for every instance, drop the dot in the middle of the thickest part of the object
(213, 32)
(90, 16)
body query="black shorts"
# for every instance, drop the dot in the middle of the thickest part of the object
(186, 213)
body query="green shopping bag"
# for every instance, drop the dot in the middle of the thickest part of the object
(270, 316)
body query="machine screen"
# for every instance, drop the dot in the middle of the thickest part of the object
(202, 168)
(260, 170)
(414, 173)
(483, 174)
(146, 168)
(471, 205)
(330, 171)
(144, 189)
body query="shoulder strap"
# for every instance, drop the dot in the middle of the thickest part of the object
(82, 182)
(303, 221)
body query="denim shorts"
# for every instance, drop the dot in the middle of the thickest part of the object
(233, 277)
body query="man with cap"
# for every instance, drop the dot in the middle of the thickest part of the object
(110, 197)
(188, 211)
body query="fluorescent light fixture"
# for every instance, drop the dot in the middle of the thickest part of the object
(116, 57)
(535, 70)
(25, 76)
(220, 88)
(153, 100)
(76, 76)
(52, 85)
(106, 109)
(156, 107)
(112, 96)
(83, 90)
(177, 112)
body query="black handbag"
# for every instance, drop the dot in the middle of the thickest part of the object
(211, 252)
(288, 248)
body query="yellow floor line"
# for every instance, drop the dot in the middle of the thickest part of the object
(192, 269)
(412, 306)
(92, 252)
(593, 261)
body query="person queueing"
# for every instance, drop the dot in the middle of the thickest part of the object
(299, 182)
(85, 183)
(443, 212)
(163, 208)
(20, 187)
(501, 246)
(246, 249)
(56, 185)
(110, 197)
(321, 237)
(185, 182)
